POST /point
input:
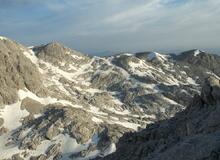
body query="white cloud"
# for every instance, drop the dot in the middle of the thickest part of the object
(118, 24)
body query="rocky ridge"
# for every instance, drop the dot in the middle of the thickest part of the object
(191, 134)
(67, 105)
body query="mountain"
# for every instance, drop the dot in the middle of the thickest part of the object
(57, 103)
(191, 134)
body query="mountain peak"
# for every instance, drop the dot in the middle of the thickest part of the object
(150, 56)
(55, 44)
(54, 49)
(197, 52)
(193, 52)
(156, 55)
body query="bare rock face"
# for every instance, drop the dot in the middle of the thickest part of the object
(40, 157)
(16, 72)
(1, 121)
(56, 53)
(199, 62)
(57, 120)
(16, 157)
(3, 130)
(191, 134)
(211, 91)
(53, 150)
(32, 106)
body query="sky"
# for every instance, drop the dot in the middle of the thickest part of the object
(103, 26)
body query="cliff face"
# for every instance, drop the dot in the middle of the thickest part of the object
(16, 72)
(191, 134)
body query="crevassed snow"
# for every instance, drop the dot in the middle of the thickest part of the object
(12, 115)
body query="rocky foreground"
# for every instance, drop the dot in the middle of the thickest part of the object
(191, 134)
(57, 103)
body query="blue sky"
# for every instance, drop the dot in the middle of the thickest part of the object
(95, 26)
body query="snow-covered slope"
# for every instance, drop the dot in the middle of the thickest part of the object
(82, 105)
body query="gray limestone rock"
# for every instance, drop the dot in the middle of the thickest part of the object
(1, 121)
(53, 150)
(32, 106)
(16, 72)
(191, 134)
(16, 157)
(40, 157)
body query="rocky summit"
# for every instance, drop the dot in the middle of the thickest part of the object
(57, 103)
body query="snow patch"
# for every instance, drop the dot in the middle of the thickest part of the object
(93, 90)
(7, 151)
(3, 38)
(197, 52)
(48, 100)
(127, 54)
(12, 115)
(124, 112)
(97, 120)
(155, 55)
(171, 101)
(111, 149)
(191, 81)
(127, 125)
(30, 55)
(76, 57)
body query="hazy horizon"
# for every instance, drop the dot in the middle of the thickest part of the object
(113, 26)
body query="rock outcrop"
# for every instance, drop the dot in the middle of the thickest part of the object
(55, 53)
(191, 134)
(16, 72)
